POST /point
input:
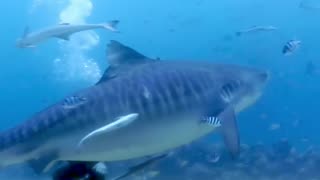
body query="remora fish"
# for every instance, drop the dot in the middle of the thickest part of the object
(256, 29)
(61, 31)
(140, 107)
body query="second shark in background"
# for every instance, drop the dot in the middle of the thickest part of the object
(61, 31)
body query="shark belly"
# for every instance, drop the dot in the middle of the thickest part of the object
(142, 138)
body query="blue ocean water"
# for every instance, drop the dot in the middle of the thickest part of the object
(32, 79)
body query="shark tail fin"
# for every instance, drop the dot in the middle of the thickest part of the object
(112, 25)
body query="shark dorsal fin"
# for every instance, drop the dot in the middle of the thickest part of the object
(119, 54)
(26, 32)
(121, 59)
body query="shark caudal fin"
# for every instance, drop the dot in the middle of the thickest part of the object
(112, 25)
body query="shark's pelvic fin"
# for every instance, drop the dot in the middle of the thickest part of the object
(230, 130)
(119, 123)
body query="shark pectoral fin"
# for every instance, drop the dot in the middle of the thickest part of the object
(230, 131)
(65, 37)
(118, 124)
(43, 163)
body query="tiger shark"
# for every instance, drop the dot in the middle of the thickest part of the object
(140, 107)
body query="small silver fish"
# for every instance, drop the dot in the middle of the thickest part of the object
(256, 29)
(290, 47)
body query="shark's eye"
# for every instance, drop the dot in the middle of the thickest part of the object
(228, 90)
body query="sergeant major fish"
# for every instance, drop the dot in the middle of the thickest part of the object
(118, 121)
(61, 31)
(290, 47)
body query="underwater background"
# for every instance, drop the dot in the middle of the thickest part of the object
(284, 122)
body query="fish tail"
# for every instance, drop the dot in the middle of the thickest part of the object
(112, 25)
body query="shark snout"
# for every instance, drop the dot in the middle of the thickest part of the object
(260, 79)
(256, 79)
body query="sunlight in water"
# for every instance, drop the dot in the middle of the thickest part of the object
(75, 63)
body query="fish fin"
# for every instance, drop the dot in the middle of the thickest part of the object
(230, 131)
(118, 124)
(65, 37)
(119, 54)
(112, 25)
(121, 59)
(43, 163)
(26, 32)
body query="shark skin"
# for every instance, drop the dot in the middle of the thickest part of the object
(168, 98)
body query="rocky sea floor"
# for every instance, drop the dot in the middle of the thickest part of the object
(203, 161)
(280, 161)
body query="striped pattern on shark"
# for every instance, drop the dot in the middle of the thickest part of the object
(167, 100)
